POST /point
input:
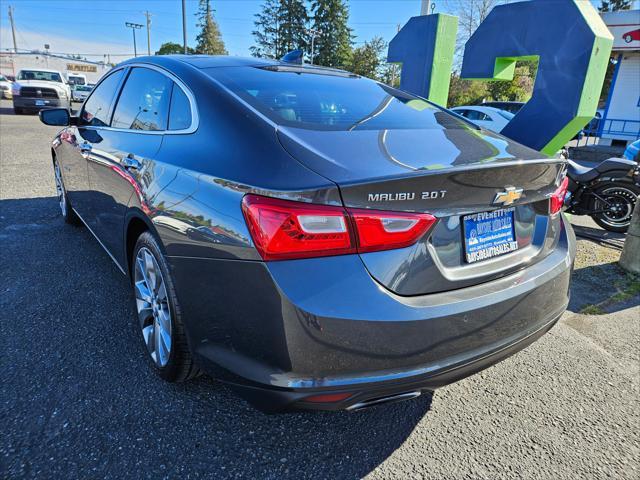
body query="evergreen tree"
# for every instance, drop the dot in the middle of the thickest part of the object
(267, 24)
(280, 28)
(613, 5)
(333, 43)
(209, 40)
(369, 59)
(293, 26)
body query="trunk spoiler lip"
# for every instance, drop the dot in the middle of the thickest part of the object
(453, 169)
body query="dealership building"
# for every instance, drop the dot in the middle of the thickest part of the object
(11, 63)
(620, 123)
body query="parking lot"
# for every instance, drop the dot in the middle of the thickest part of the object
(79, 401)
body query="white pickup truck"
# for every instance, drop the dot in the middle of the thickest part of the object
(38, 88)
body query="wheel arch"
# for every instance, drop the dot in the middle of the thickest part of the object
(136, 223)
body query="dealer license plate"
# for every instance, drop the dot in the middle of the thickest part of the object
(488, 234)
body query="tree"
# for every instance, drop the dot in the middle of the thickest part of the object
(293, 26)
(613, 5)
(281, 26)
(471, 13)
(369, 59)
(333, 43)
(209, 40)
(520, 88)
(267, 24)
(466, 92)
(170, 48)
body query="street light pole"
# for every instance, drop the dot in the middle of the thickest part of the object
(184, 26)
(13, 30)
(314, 33)
(134, 27)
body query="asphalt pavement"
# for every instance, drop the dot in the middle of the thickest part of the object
(77, 399)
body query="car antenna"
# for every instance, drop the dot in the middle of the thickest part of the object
(294, 57)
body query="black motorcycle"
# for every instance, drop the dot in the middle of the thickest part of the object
(607, 192)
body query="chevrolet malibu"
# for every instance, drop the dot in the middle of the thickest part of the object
(316, 239)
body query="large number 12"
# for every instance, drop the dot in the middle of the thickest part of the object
(569, 39)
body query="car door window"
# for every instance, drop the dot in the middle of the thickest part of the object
(96, 109)
(180, 111)
(144, 102)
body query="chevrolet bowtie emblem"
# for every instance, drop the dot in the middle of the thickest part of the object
(510, 195)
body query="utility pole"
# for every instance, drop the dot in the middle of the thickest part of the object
(13, 30)
(134, 27)
(184, 26)
(314, 33)
(148, 15)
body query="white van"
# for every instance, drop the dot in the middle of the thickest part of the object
(76, 79)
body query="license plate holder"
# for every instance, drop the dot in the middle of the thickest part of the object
(489, 234)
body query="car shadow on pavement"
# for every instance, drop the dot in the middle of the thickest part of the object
(84, 402)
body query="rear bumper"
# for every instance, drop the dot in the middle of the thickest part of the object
(283, 331)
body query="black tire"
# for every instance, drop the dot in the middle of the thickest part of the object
(180, 365)
(624, 195)
(68, 215)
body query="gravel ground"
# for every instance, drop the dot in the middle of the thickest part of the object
(78, 401)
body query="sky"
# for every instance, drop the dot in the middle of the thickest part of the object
(93, 28)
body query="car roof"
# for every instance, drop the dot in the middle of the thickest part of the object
(502, 102)
(217, 61)
(38, 69)
(477, 107)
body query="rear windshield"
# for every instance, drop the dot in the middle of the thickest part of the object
(324, 101)
(38, 75)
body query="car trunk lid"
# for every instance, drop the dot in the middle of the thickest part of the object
(449, 173)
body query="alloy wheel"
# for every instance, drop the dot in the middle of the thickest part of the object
(621, 203)
(152, 304)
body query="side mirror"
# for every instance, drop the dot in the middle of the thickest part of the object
(57, 117)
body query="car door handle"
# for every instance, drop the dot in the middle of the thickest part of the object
(85, 149)
(130, 162)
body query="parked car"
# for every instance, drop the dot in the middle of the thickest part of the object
(5, 87)
(632, 35)
(79, 93)
(335, 243)
(511, 107)
(632, 152)
(35, 89)
(485, 117)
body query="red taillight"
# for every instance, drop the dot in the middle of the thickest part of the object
(389, 230)
(557, 199)
(283, 229)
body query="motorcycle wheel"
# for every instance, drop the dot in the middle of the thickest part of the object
(621, 198)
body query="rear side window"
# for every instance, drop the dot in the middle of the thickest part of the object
(96, 109)
(180, 112)
(144, 102)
